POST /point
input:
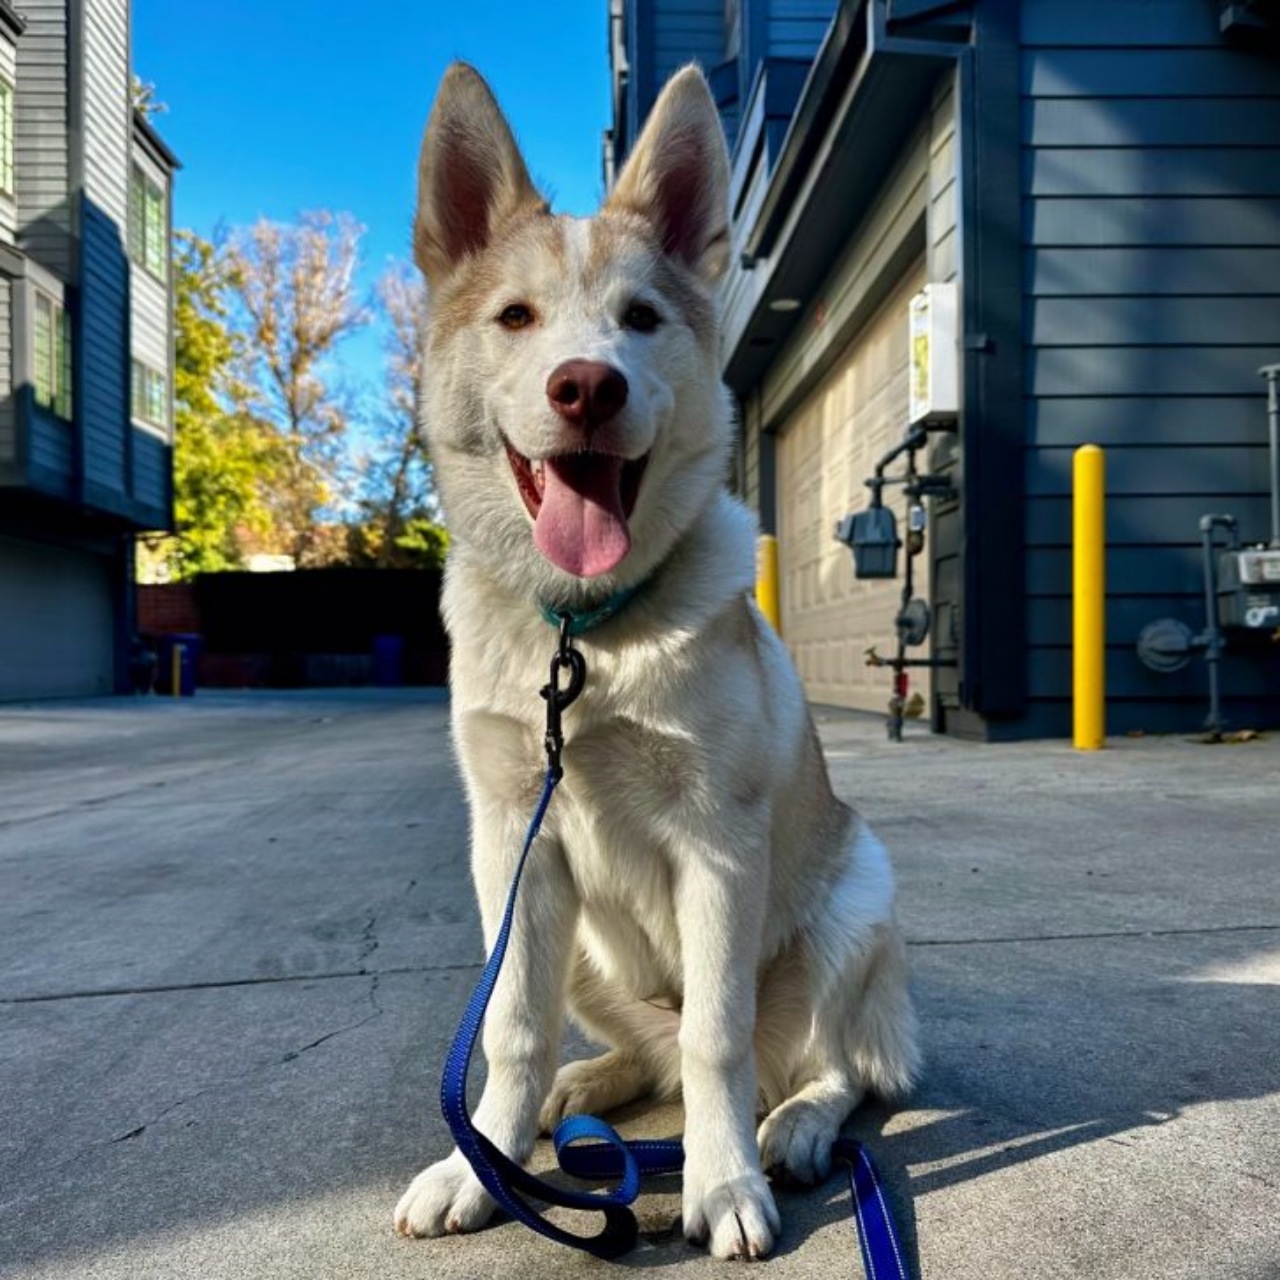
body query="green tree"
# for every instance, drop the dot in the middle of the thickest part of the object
(224, 458)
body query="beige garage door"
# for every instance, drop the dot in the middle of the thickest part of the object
(826, 450)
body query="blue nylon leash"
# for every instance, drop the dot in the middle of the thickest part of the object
(606, 1155)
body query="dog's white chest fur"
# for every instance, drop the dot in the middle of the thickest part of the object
(611, 817)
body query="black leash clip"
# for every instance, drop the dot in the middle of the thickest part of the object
(566, 657)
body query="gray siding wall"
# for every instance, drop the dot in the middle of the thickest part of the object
(108, 117)
(41, 152)
(1151, 176)
(149, 297)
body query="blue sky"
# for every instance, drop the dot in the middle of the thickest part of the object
(281, 106)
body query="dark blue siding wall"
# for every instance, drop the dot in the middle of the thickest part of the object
(104, 337)
(1151, 176)
(687, 30)
(152, 470)
(661, 36)
(51, 453)
(796, 28)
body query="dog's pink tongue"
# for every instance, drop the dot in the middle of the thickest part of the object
(581, 527)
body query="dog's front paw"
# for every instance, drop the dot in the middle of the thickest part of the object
(796, 1139)
(443, 1200)
(736, 1218)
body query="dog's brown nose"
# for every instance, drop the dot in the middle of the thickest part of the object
(586, 393)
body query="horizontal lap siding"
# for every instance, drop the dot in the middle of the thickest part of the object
(105, 297)
(104, 328)
(152, 460)
(41, 158)
(795, 28)
(149, 297)
(1151, 176)
(108, 123)
(50, 452)
(150, 315)
(685, 31)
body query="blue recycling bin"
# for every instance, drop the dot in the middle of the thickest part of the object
(388, 661)
(178, 659)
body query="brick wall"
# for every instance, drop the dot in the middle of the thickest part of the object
(170, 609)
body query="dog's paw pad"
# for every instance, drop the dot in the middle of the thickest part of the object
(444, 1199)
(795, 1141)
(736, 1219)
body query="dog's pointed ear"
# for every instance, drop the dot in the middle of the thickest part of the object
(471, 177)
(677, 175)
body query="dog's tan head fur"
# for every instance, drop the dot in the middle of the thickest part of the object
(533, 315)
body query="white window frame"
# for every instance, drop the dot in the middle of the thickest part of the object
(148, 395)
(8, 96)
(52, 382)
(148, 223)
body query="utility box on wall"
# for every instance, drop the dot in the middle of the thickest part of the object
(934, 354)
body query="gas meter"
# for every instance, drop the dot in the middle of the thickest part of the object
(873, 536)
(1249, 588)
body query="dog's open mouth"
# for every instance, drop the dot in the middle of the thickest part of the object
(580, 504)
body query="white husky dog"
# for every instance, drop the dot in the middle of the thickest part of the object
(698, 898)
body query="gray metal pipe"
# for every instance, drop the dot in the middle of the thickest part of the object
(1272, 374)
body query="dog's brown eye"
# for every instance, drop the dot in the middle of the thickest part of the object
(641, 317)
(516, 316)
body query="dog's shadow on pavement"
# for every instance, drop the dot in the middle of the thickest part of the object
(1040, 1058)
(1049, 1058)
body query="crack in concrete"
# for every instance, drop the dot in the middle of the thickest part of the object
(260, 1069)
(294, 1054)
(225, 983)
(370, 945)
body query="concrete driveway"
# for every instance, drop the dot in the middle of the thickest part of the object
(236, 933)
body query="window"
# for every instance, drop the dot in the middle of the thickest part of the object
(52, 346)
(6, 137)
(148, 224)
(149, 396)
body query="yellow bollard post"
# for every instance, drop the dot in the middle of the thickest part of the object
(767, 579)
(1089, 595)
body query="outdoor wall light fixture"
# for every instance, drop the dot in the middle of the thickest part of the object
(785, 304)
